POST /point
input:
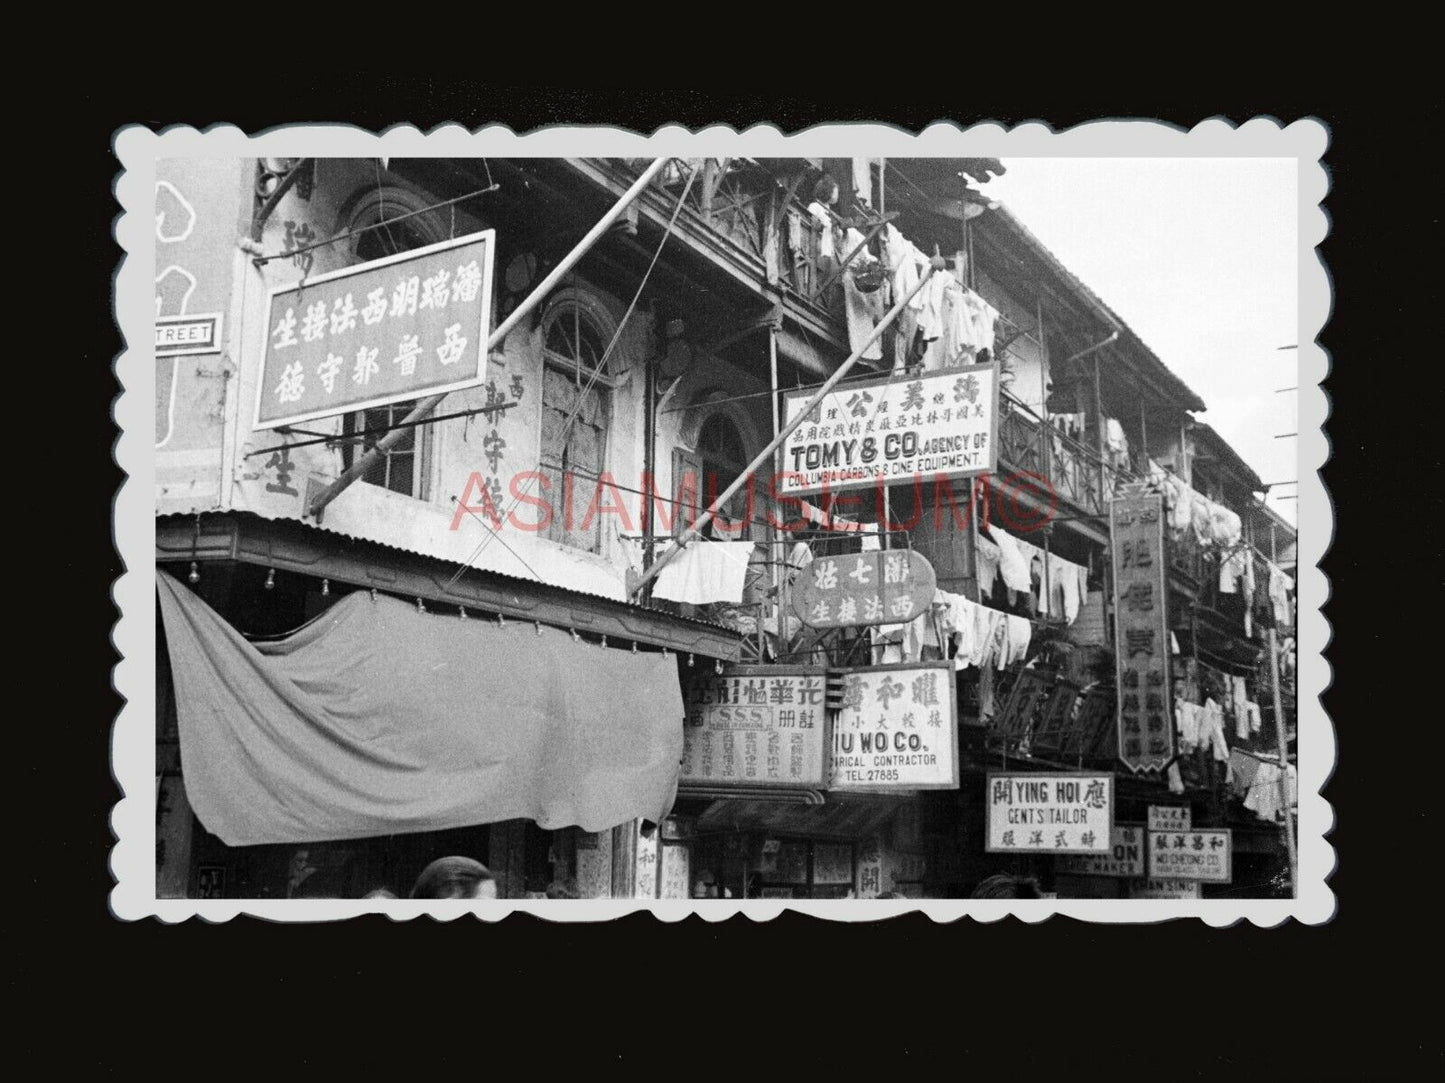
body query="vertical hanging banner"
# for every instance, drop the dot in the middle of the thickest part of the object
(390, 330)
(897, 729)
(1141, 632)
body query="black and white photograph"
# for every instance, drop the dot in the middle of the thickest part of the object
(855, 522)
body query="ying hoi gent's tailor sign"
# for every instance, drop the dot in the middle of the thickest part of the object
(391, 330)
(897, 729)
(756, 726)
(1141, 632)
(940, 425)
(884, 587)
(1059, 812)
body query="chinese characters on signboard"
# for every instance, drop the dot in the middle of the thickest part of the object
(1061, 812)
(856, 589)
(833, 863)
(892, 430)
(1191, 855)
(676, 871)
(386, 331)
(1125, 857)
(645, 867)
(1170, 818)
(756, 726)
(1141, 632)
(897, 729)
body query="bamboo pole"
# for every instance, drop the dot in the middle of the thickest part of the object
(532, 300)
(767, 453)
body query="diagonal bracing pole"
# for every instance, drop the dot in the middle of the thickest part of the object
(745, 478)
(533, 299)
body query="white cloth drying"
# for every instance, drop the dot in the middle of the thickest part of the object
(706, 572)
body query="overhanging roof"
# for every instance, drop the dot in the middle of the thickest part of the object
(297, 547)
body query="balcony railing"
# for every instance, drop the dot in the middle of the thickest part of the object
(1072, 469)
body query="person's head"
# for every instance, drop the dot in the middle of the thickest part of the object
(455, 878)
(557, 889)
(1004, 886)
(380, 893)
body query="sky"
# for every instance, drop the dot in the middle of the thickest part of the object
(1198, 256)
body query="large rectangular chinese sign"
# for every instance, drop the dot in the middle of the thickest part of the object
(1191, 855)
(394, 329)
(1141, 632)
(891, 430)
(1059, 812)
(756, 726)
(884, 587)
(897, 729)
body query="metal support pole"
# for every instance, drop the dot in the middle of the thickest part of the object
(531, 301)
(767, 453)
(1048, 435)
(1283, 741)
(780, 564)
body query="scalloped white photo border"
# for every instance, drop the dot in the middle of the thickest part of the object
(133, 738)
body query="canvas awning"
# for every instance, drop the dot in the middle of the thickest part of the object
(377, 719)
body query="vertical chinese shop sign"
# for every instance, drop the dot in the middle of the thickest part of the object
(1141, 632)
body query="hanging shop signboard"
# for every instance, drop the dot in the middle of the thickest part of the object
(676, 877)
(1170, 817)
(897, 729)
(1059, 812)
(1125, 857)
(390, 330)
(1164, 889)
(646, 864)
(756, 726)
(1191, 855)
(892, 430)
(884, 587)
(1141, 632)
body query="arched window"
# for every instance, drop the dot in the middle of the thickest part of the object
(724, 457)
(576, 414)
(406, 467)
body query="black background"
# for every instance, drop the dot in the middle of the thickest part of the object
(1173, 1001)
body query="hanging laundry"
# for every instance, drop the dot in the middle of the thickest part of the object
(863, 180)
(826, 248)
(1231, 570)
(1264, 798)
(1033, 558)
(1279, 588)
(1019, 633)
(794, 232)
(706, 572)
(988, 558)
(1012, 565)
(1212, 730)
(864, 311)
(954, 345)
(1239, 698)
(1186, 722)
(1176, 780)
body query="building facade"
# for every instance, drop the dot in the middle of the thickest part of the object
(723, 715)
